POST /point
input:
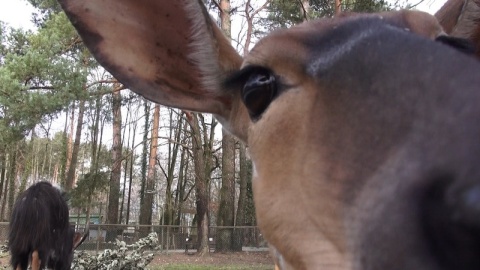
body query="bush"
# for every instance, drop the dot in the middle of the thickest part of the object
(121, 257)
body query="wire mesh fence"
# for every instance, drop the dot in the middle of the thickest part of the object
(170, 238)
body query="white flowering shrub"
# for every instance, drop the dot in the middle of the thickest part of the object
(4, 253)
(121, 257)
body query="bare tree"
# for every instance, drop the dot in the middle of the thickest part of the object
(70, 180)
(169, 173)
(114, 193)
(147, 206)
(226, 211)
(202, 141)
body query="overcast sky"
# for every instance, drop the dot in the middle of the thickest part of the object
(17, 13)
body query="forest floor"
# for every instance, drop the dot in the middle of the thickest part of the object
(259, 260)
(219, 261)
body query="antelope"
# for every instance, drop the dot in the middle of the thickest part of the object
(363, 130)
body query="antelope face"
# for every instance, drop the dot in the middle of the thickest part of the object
(362, 129)
(322, 92)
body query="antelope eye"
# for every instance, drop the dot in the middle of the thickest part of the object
(258, 92)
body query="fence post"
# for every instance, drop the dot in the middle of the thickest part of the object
(99, 231)
(168, 237)
(161, 238)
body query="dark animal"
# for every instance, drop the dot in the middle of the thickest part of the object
(364, 131)
(40, 232)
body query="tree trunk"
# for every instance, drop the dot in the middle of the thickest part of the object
(338, 7)
(4, 200)
(242, 199)
(146, 128)
(11, 179)
(70, 136)
(70, 181)
(172, 161)
(94, 138)
(126, 163)
(182, 176)
(114, 193)
(225, 20)
(250, 218)
(226, 211)
(305, 9)
(181, 183)
(3, 165)
(4, 181)
(147, 206)
(87, 214)
(202, 156)
(132, 159)
(68, 146)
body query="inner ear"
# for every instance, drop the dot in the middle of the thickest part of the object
(461, 44)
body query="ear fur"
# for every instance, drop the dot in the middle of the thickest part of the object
(171, 52)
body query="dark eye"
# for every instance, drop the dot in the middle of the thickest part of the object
(258, 92)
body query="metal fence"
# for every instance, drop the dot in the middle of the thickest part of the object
(170, 238)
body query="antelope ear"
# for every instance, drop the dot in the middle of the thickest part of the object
(418, 22)
(78, 239)
(170, 52)
(461, 19)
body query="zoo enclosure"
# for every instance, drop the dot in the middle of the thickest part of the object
(170, 238)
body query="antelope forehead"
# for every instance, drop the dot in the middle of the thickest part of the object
(282, 52)
(326, 58)
(329, 47)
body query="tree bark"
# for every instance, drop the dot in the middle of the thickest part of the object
(132, 157)
(305, 9)
(70, 181)
(338, 7)
(126, 163)
(242, 199)
(146, 128)
(4, 179)
(226, 211)
(182, 177)
(146, 208)
(175, 133)
(181, 183)
(68, 141)
(114, 193)
(3, 167)
(202, 156)
(70, 136)
(11, 179)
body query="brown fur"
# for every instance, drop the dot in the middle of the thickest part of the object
(346, 154)
(460, 18)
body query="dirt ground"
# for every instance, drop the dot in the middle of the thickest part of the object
(218, 259)
(4, 261)
(259, 258)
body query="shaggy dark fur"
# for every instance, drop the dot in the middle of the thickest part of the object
(40, 222)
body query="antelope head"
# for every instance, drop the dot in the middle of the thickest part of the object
(363, 131)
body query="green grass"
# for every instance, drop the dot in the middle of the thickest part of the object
(209, 267)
